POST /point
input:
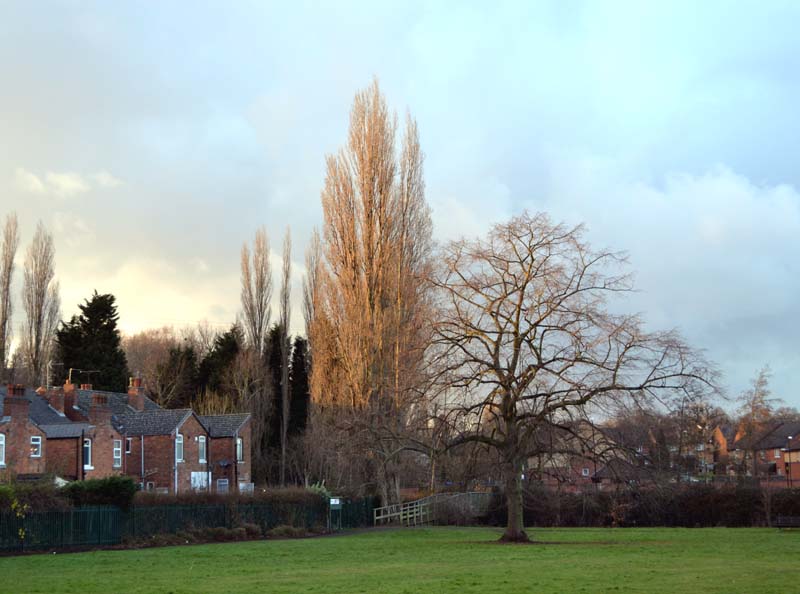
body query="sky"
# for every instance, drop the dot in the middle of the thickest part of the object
(153, 139)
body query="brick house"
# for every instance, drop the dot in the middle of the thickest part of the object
(22, 441)
(78, 433)
(229, 460)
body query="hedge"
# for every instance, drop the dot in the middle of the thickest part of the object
(678, 505)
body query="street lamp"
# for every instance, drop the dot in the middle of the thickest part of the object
(789, 462)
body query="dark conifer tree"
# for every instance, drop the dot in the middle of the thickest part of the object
(212, 369)
(274, 365)
(298, 381)
(91, 342)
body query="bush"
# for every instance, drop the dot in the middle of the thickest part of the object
(284, 531)
(35, 496)
(113, 490)
(670, 504)
(292, 496)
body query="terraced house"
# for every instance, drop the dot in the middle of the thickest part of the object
(77, 433)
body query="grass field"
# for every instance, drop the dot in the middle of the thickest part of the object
(435, 560)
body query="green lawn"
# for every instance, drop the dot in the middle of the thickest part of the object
(436, 560)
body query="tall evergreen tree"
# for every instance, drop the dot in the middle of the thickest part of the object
(91, 342)
(274, 366)
(177, 378)
(298, 384)
(213, 367)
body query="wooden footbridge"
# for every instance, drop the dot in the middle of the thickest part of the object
(440, 508)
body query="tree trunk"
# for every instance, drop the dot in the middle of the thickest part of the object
(515, 528)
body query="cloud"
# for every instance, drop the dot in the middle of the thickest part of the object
(28, 182)
(714, 254)
(73, 230)
(63, 185)
(105, 180)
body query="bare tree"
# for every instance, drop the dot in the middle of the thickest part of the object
(527, 338)
(311, 280)
(756, 409)
(200, 337)
(156, 355)
(7, 255)
(256, 290)
(286, 290)
(42, 304)
(368, 333)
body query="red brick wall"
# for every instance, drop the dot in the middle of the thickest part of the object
(103, 437)
(245, 466)
(191, 429)
(63, 456)
(224, 448)
(18, 434)
(159, 458)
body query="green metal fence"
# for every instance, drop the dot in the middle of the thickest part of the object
(108, 525)
(90, 526)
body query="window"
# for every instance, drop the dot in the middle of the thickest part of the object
(239, 449)
(585, 471)
(777, 454)
(117, 453)
(700, 447)
(2, 449)
(36, 446)
(128, 445)
(87, 454)
(222, 485)
(201, 448)
(179, 448)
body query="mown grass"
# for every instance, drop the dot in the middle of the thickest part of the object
(435, 560)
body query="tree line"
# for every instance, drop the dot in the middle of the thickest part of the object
(422, 364)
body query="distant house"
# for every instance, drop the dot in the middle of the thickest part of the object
(766, 453)
(79, 433)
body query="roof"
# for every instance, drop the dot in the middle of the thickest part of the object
(224, 425)
(64, 430)
(158, 421)
(778, 436)
(117, 401)
(41, 412)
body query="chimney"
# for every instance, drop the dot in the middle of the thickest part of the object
(100, 412)
(71, 401)
(136, 394)
(56, 399)
(16, 405)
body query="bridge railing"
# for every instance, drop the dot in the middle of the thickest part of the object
(433, 509)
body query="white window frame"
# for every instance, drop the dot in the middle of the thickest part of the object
(584, 471)
(239, 449)
(777, 454)
(117, 452)
(2, 449)
(36, 446)
(87, 460)
(179, 442)
(223, 481)
(128, 445)
(202, 453)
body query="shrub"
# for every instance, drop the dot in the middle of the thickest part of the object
(284, 531)
(36, 496)
(669, 504)
(113, 490)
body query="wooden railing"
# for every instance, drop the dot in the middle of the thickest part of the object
(436, 508)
